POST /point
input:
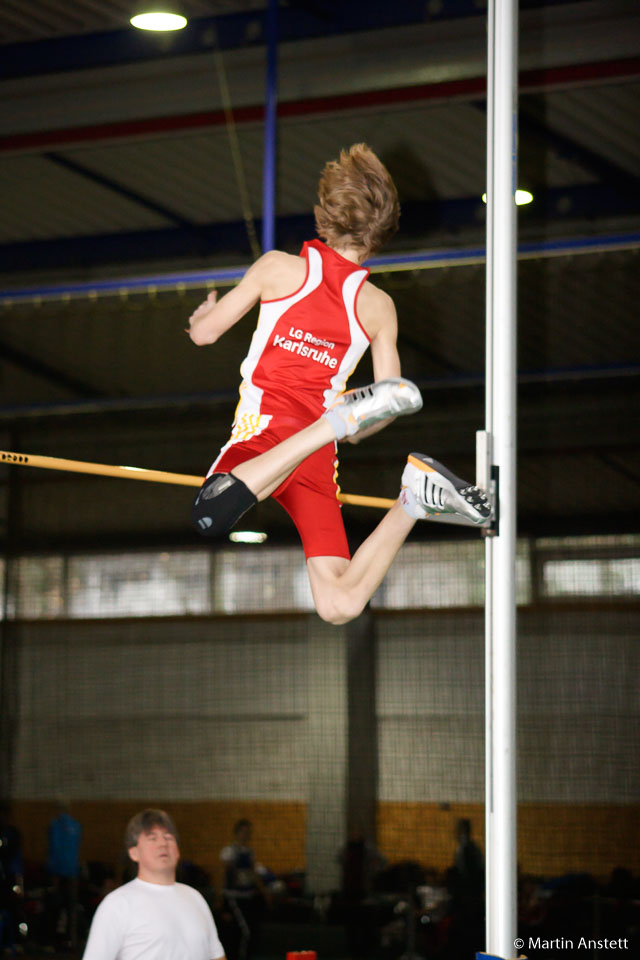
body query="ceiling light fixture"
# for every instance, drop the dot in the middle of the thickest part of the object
(160, 20)
(247, 536)
(522, 197)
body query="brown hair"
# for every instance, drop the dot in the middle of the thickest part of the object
(144, 822)
(358, 200)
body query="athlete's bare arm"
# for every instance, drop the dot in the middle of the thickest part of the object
(377, 314)
(273, 275)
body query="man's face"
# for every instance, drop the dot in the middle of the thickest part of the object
(156, 854)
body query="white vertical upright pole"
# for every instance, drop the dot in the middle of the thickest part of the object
(269, 172)
(501, 854)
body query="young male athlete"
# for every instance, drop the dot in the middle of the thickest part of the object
(318, 315)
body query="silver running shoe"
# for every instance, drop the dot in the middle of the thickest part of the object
(428, 489)
(363, 407)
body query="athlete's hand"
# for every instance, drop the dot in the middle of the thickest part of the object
(202, 310)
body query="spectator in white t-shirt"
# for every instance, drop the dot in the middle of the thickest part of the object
(153, 917)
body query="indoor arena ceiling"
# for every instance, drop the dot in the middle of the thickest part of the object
(116, 161)
(115, 152)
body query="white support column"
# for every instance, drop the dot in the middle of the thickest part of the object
(501, 853)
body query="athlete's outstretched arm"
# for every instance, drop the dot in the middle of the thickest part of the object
(214, 317)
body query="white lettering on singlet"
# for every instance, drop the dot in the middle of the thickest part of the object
(297, 334)
(297, 345)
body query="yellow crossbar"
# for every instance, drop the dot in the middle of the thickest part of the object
(152, 476)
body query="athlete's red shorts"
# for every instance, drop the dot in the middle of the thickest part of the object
(309, 494)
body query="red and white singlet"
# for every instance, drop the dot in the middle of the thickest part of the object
(303, 350)
(305, 346)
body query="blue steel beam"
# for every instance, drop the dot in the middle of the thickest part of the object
(227, 276)
(419, 220)
(132, 247)
(298, 21)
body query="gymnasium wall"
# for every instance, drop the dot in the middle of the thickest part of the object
(221, 717)
(578, 779)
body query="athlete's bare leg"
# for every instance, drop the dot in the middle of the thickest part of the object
(360, 411)
(342, 588)
(266, 472)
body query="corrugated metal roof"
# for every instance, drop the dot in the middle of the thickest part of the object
(191, 174)
(42, 200)
(433, 151)
(605, 118)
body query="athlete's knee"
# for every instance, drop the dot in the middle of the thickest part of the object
(339, 607)
(221, 501)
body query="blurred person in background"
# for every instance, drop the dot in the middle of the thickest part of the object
(63, 865)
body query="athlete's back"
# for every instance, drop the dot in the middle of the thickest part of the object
(307, 343)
